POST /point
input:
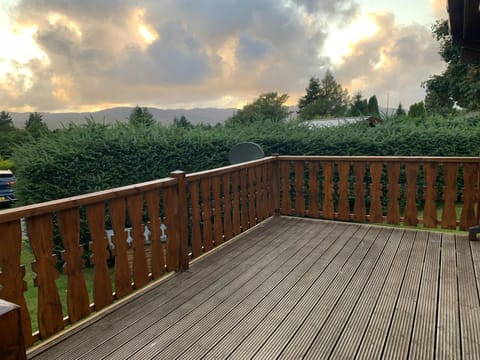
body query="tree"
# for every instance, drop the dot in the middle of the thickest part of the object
(359, 105)
(373, 106)
(459, 84)
(35, 125)
(267, 107)
(6, 122)
(182, 122)
(417, 110)
(323, 98)
(400, 111)
(140, 116)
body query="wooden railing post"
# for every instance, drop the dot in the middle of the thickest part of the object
(12, 344)
(182, 219)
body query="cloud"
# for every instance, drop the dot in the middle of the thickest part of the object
(392, 63)
(189, 52)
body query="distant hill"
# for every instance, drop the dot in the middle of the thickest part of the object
(120, 114)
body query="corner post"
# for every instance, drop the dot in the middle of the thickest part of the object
(182, 219)
(12, 343)
(275, 200)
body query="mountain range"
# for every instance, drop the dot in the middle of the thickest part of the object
(120, 114)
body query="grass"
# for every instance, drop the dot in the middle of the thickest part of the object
(31, 295)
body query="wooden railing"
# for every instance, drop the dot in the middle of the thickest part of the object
(411, 190)
(202, 210)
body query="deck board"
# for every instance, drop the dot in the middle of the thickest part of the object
(293, 288)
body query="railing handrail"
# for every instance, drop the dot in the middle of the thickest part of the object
(403, 159)
(84, 199)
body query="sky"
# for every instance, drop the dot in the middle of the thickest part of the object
(70, 55)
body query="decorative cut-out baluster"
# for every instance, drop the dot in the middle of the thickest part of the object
(196, 219)
(140, 267)
(217, 211)
(227, 211)
(50, 316)
(207, 215)
(449, 214)
(299, 188)
(376, 212)
(251, 198)
(11, 278)
(244, 197)
(411, 213)
(77, 294)
(173, 233)
(328, 190)
(393, 210)
(430, 191)
(286, 195)
(102, 284)
(470, 174)
(237, 227)
(313, 188)
(343, 190)
(359, 207)
(123, 279)
(158, 257)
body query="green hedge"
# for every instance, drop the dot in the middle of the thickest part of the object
(93, 157)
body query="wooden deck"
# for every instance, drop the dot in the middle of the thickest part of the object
(298, 288)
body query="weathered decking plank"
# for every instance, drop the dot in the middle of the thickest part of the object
(422, 345)
(293, 288)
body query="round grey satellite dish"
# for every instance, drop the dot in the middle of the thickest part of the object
(245, 151)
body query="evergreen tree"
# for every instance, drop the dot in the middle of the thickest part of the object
(359, 105)
(373, 106)
(182, 122)
(400, 111)
(324, 98)
(140, 116)
(35, 125)
(6, 122)
(417, 110)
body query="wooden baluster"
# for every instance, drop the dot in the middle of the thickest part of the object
(411, 213)
(173, 233)
(328, 190)
(227, 209)
(470, 174)
(181, 219)
(259, 192)
(267, 188)
(376, 212)
(135, 214)
(343, 190)
(275, 186)
(286, 208)
(102, 284)
(251, 198)
(157, 260)
(237, 227)
(78, 303)
(50, 317)
(299, 167)
(123, 278)
(217, 211)
(11, 278)
(393, 210)
(313, 188)
(196, 219)
(244, 195)
(359, 210)
(430, 191)
(207, 215)
(449, 213)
